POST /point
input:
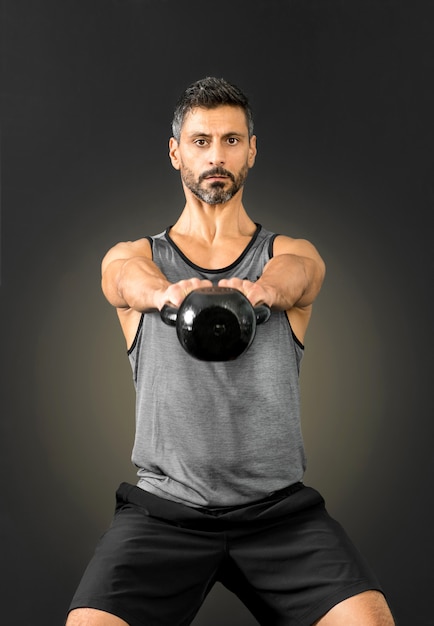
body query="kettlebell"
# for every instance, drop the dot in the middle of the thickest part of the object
(215, 323)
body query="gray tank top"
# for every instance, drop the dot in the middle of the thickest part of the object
(213, 434)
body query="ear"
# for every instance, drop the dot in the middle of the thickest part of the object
(252, 151)
(174, 153)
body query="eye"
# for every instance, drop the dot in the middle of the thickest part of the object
(232, 141)
(200, 142)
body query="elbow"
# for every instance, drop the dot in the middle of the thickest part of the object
(111, 284)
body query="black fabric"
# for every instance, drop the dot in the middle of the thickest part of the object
(284, 557)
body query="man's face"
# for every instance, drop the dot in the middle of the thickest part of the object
(214, 153)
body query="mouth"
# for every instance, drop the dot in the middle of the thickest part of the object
(217, 176)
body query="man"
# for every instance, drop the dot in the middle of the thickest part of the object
(218, 444)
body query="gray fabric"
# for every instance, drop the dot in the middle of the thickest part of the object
(216, 433)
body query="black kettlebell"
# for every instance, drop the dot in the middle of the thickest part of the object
(215, 323)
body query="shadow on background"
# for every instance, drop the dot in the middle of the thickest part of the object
(343, 98)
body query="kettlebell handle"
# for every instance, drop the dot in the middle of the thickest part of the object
(169, 314)
(262, 312)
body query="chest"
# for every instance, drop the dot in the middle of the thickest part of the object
(215, 256)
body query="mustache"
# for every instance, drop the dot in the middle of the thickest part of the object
(217, 171)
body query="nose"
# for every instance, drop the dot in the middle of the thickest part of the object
(216, 154)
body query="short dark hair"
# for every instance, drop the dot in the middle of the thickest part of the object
(209, 93)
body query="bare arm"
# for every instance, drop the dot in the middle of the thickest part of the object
(134, 284)
(294, 276)
(290, 282)
(130, 279)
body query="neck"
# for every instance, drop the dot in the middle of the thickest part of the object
(209, 222)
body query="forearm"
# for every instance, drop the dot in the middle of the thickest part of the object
(135, 283)
(291, 280)
(138, 284)
(287, 280)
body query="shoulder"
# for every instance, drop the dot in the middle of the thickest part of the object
(284, 244)
(127, 250)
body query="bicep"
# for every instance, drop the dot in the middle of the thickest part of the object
(298, 247)
(311, 260)
(127, 250)
(110, 267)
(113, 263)
(300, 314)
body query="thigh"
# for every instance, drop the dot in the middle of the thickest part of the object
(295, 563)
(93, 617)
(149, 571)
(367, 609)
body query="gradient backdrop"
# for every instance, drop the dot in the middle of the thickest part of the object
(343, 96)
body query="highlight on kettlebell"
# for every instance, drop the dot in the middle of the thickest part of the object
(215, 323)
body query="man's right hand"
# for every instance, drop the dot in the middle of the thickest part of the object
(177, 292)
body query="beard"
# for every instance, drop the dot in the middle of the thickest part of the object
(216, 192)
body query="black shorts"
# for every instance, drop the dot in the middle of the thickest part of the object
(286, 559)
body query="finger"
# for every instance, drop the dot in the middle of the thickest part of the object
(177, 292)
(234, 283)
(198, 283)
(258, 295)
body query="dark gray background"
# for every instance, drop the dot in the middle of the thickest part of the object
(343, 96)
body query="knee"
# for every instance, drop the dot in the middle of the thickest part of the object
(364, 609)
(93, 617)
